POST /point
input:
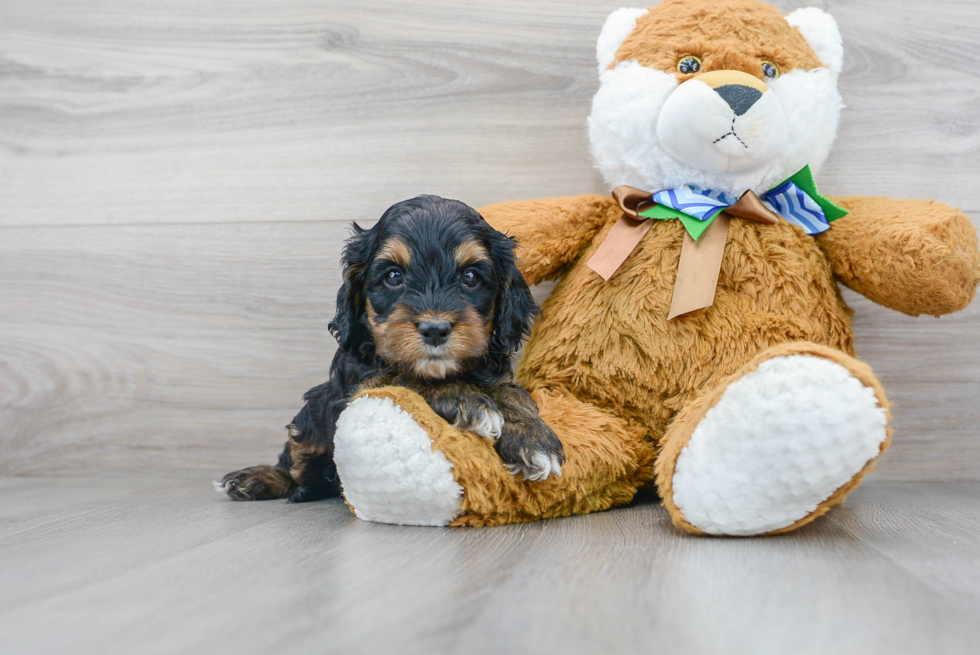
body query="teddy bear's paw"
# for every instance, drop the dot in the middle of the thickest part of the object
(779, 442)
(389, 471)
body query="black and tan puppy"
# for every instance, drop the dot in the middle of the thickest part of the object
(432, 300)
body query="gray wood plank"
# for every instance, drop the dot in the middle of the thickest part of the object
(176, 569)
(157, 347)
(122, 112)
(919, 528)
(691, 595)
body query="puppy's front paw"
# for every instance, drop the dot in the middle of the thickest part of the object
(480, 414)
(531, 449)
(255, 483)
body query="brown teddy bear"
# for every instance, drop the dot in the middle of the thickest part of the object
(696, 338)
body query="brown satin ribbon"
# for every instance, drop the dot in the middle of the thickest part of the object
(700, 261)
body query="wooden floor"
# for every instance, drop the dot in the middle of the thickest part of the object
(103, 566)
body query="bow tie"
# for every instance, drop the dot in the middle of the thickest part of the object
(796, 200)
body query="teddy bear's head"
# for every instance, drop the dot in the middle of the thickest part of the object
(721, 94)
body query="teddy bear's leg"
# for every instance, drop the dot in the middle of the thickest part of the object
(775, 445)
(401, 463)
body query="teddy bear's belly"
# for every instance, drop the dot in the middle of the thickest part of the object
(611, 344)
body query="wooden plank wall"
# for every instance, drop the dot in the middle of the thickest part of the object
(176, 181)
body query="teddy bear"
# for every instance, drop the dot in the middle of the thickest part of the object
(696, 340)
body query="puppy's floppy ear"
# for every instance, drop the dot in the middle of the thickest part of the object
(515, 309)
(348, 325)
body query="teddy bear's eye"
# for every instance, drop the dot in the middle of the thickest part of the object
(770, 70)
(689, 65)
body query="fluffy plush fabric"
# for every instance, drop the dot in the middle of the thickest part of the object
(602, 465)
(618, 26)
(763, 452)
(390, 472)
(726, 35)
(625, 389)
(912, 256)
(636, 127)
(820, 31)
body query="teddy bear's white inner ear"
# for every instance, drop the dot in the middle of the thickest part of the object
(617, 27)
(820, 30)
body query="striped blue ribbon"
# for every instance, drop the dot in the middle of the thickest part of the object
(788, 200)
(796, 206)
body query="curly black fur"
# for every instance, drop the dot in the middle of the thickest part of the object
(433, 229)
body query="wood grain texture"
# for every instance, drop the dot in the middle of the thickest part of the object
(159, 347)
(242, 110)
(157, 566)
(176, 180)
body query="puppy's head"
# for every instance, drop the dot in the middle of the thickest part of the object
(434, 291)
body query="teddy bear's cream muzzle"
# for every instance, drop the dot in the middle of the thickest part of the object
(723, 121)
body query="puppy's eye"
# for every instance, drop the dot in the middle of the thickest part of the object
(688, 65)
(770, 70)
(394, 278)
(470, 278)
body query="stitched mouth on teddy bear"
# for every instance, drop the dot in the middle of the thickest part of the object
(731, 133)
(723, 122)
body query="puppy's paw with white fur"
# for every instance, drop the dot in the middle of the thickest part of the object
(483, 418)
(256, 483)
(537, 465)
(466, 410)
(531, 449)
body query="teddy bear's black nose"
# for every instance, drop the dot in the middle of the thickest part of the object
(739, 97)
(435, 333)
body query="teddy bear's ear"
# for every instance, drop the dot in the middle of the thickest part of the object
(615, 30)
(820, 30)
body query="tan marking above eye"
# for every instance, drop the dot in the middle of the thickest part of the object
(470, 252)
(396, 251)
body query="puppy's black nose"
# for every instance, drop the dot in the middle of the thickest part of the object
(739, 97)
(435, 333)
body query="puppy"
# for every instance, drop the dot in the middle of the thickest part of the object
(432, 300)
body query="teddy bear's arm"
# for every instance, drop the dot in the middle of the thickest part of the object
(913, 256)
(551, 233)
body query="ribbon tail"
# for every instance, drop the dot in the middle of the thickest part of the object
(617, 246)
(697, 272)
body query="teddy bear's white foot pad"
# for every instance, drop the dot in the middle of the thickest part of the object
(779, 442)
(389, 471)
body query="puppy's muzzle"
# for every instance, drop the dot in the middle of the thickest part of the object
(435, 333)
